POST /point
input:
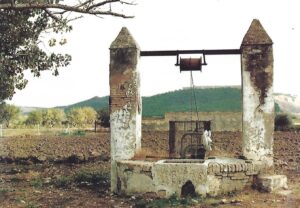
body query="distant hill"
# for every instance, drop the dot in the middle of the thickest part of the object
(210, 99)
(207, 99)
(95, 102)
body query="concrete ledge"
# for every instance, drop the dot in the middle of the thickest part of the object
(270, 183)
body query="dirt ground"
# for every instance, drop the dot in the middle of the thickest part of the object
(73, 171)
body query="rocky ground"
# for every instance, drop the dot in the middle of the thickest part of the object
(73, 171)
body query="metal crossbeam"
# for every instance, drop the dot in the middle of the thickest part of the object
(205, 52)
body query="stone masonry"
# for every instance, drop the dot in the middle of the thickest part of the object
(125, 101)
(215, 175)
(211, 177)
(257, 87)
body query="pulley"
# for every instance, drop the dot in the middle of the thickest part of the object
(190, 64)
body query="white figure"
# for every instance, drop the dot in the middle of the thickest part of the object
(206, 139)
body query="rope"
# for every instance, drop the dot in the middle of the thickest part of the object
(193, 97)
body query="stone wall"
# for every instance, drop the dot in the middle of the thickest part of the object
(212, 177)
(221, 121)
(286, 146)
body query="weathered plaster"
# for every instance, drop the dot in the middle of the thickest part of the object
(257, 87)
(125, 102)
(123, 133)
(271, 183)
(172, 176)
(167, 177)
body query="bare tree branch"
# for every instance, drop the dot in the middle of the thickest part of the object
(101, 4)
(53, 16)
(87, 7)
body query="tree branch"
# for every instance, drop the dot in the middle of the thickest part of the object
(101, 4)
(53, 16)
(94, 9)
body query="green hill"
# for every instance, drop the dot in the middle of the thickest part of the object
(208, 99)
(95, 102)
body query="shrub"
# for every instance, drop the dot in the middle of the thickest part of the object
(37, 183)
(283, 122)
(103, 117)
(92, 178)
(3, 192)
(79, 133)
(63, 181)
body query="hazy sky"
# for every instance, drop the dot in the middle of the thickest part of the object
(171, 25)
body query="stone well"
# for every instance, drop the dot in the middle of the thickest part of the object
(210, 177)
(213, 176)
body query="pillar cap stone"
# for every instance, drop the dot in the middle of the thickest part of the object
(256, 35)
(124, 40)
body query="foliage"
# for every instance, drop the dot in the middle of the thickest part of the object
(283, 122)
(23, 25)
(34, 118)
(103, 117)
(81, 116)
(3, 192)
(89, 115)
(31, 206)
(75, 117)
(79, 133)
(20, 48)
(37, 183)
(84, 178)
(53, 117)
(63, 181)
(9, 114)
(92, 178)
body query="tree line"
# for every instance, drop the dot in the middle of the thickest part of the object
(11, 117)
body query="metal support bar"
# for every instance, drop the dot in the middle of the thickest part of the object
(204, 52)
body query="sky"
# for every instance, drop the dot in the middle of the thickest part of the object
(170, 25)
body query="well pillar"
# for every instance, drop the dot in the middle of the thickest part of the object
(125, 101)
(257, 88)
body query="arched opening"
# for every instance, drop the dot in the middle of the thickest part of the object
(188, 189)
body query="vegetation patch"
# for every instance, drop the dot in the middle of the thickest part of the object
(85, 178)
(79, 133)
(173, 201)
(283, 122)
(63, 181)
(3, 192)
(37, 183)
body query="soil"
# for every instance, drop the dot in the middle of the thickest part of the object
(73, 171)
